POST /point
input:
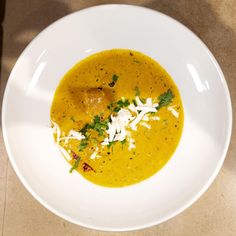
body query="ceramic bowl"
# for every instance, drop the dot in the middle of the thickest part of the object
(28, 136)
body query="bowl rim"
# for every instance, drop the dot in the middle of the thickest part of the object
(178, 210)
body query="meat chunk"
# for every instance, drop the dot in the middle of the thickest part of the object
(96, 101)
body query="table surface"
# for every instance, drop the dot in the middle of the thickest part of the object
(214, 21)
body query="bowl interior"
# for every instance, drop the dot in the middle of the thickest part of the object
(26, 117)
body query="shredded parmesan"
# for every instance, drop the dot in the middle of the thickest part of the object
(76, 134)
(173, 111)
(146, 118)
(94, 154)
(155, 118)
(117, 127)
(56, 129)
(144, 124)
(65, 153)
(131, 141)
(144, 108)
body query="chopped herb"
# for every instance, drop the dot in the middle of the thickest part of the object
(85, 129)
(83, 144)
(114, 80)
(72, 118)
(165, 99)
(99, 125)
(137, 91)
(143, 100)
(96, 119)
(136, 61)
(122, 103)
(110, 144)
(123, 142)
(116, 109)
(75, 165)
(134, 102)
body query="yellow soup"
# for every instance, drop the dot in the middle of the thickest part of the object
(117, 117)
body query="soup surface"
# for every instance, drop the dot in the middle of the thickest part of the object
(117, 117)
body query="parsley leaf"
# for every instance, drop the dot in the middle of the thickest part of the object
(165, 99)
(75, 165)
(122, 103)
(134, 102)
(110, 144)
(114, 80)
(99, 125)
(143, 100)
(83, 144)
(85, 129)
(116, 109)
(123, 141)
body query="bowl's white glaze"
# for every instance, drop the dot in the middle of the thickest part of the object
(26, 114)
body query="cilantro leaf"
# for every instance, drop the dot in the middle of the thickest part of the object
(75, 165)
(134, 102)
(122, 103)
(165, 99)
(99, 125)
(116, 109)
(83, 144)
(114, 80)
(110, 144)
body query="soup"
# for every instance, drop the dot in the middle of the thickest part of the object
(117, 117)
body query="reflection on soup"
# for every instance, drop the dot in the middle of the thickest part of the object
(117, 117)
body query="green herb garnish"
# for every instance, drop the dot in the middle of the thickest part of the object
(85, 129)
(75, 165)
(143, 100)
(114, 80)
(165, 99)
(111, 144)
(134, 102)
(123, 103)
(99, 125)
(116, 109)
(83, 144)
(123, 142)
(137, 91)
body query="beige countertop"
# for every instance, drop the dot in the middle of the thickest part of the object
(214, 21)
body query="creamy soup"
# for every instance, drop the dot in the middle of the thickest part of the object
(117, 117)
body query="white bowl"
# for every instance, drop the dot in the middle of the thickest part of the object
(26, 117)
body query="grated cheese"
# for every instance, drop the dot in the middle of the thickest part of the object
(117, 127)
(94, 154)
(155, 118)
(173, 111)
(65, 153)
(144, 124)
